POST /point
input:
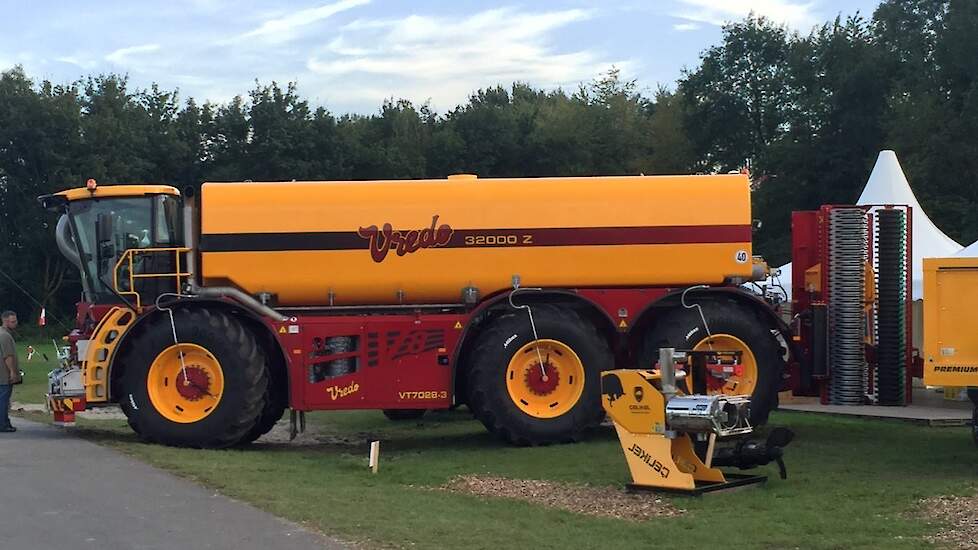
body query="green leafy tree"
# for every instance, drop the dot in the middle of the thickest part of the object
(619, 120)
(488, 128)
(226, 142)
(672, 150)
(281, 140)
(114, 132)
(831, 135)
(738, 99)
(40, 140)
(932, 121)
(560, 141)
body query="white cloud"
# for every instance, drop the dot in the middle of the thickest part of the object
(215, 49)
(685, 27)
(340, 46)
(78, 61)
(797, 15)
(420, 57)
(285, 28)
(24, 58)
(122, 55)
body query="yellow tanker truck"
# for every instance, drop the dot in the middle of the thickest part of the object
(207, 315)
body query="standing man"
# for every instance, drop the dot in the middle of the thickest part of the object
(9, 370)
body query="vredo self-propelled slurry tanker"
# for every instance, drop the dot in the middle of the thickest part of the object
(206, 317)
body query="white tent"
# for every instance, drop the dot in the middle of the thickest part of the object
(970, 251)
(888, 185)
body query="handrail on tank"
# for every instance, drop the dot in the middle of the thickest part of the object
(128, 257)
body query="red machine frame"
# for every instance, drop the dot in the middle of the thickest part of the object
(423, 347)
(810, 247)
(422, 342)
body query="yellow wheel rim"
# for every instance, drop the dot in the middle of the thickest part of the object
(548, 391)
(185, 391)
(742, 384)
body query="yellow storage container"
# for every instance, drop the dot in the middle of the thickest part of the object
(950, 337)
(953, 393)
(424, 241)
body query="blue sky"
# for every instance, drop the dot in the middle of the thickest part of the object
(351, 54)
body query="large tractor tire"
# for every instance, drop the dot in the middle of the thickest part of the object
(538, 392)
(735, 327)
(212, 397)
(276, 401)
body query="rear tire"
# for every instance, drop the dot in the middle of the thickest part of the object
(682, 329)
(399, 415)
(242, 366)
(491, 400)
(276, 401)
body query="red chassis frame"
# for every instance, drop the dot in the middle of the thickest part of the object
(407, 360)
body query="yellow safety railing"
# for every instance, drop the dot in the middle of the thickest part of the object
(127, 259)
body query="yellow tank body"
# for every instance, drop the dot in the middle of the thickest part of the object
(424, 241)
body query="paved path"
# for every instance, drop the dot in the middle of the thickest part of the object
(930, 416)
(928, 408)
(60, 492)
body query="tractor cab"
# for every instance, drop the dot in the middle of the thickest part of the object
(126, 240)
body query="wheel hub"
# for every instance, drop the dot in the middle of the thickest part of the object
(535, 378)
(730, 379)
(185, 383)
(545, 378)
(193, 383)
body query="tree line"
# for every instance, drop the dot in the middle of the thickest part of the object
(807, 112)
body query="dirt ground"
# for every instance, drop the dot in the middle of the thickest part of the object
(580, 499)
(110, 412)
(313, 435)
(961, 516)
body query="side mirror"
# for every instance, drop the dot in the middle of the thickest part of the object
(103, 228)
(104, 237)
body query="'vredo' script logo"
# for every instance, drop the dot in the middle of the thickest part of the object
(385, 239)
(335, 392)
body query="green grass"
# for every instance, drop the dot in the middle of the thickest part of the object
(852, 484)
(35, 371)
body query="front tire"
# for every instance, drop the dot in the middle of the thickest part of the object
(526, 404)
(276, 401)
(212, 398)
(734, 327)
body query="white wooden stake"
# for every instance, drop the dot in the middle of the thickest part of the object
(710, 447)
(374, 456)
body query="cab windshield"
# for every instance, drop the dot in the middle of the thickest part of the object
(105, 228)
